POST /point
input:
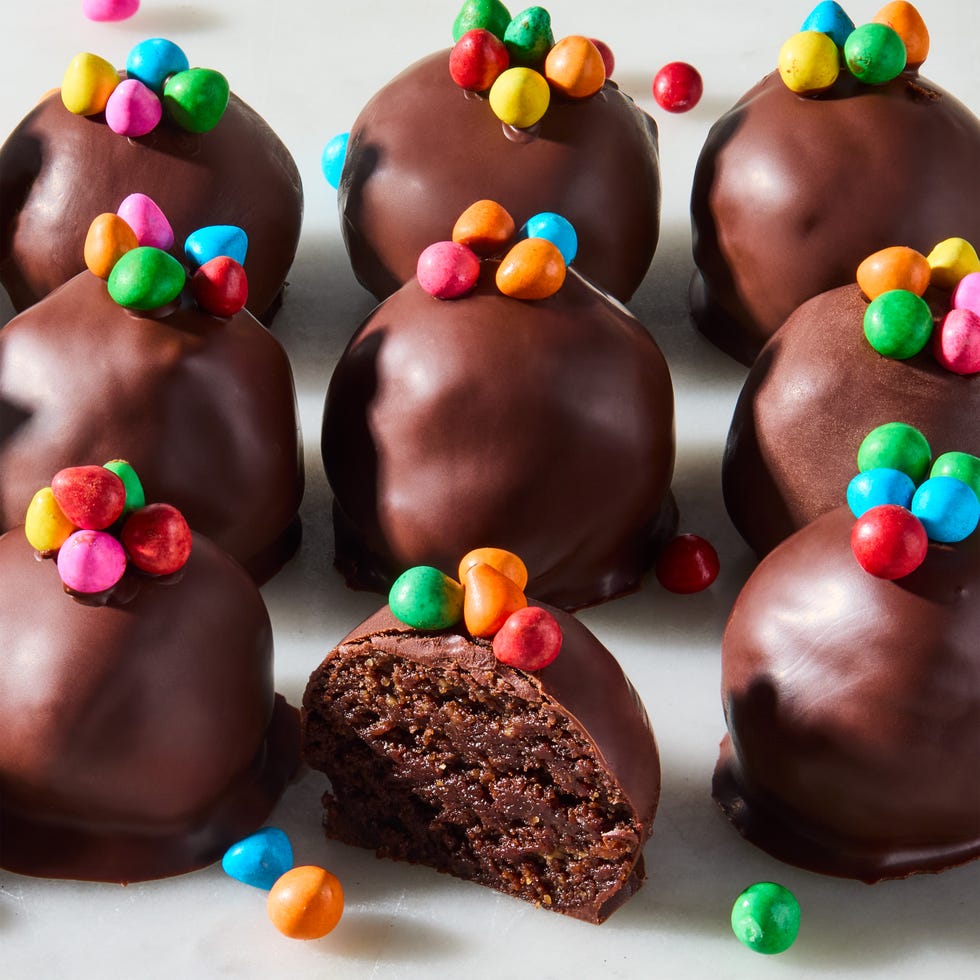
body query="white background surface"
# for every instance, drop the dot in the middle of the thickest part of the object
(308, 66)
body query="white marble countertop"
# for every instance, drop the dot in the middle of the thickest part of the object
(308, 66)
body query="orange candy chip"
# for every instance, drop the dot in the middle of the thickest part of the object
(489, 599)
(897, 267)
(306, 902)
(907, 23)
(504, 561)
(574, 67)
(485, 226)
(108, 239)
(533, 269)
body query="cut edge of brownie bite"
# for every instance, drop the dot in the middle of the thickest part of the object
(472, 770)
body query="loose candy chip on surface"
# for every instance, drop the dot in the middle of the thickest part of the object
(766, 918)
(259, 859)
(306, 903)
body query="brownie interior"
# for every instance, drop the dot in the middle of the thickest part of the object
(439, 765)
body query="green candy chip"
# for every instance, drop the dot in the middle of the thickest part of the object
(424, 598)
(487, 15)
(898, 324)
(766, 918)
(896, 446)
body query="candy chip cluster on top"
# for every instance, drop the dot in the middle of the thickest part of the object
(158, 80)
(532, 268)
(896, 39)
(898, 322)
(95, 521)
(901, 503)
(518, 63)
(129, 249)
(515, 62)
(488, 598)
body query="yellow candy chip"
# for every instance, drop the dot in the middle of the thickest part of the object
(809, 62)
(520, 97)
(87, 85)
(950, 261)
(45, 526)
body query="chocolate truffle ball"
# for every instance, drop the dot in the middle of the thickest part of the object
(203, 408)
(541, 785)
(543, 427)
(792, 192)
(58, 171)
(817, 389)
(423, 150)
(140, 738)
(853, 708)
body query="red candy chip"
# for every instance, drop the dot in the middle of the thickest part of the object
(688, 564)
(530, 639)
(157, 539)
(605, 52)
(889, 541)
(220, 286)
(477, 59)
(677, 87)
(91, 497)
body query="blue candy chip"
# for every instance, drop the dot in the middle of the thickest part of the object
(872, 488)
(332, 161)
(208, 243)
(260, 860)
(948, 508)
(153, 61)
(556, 229)
(829, 18)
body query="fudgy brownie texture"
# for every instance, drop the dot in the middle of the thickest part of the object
(439, 755)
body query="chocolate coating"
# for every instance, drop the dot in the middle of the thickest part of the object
(546, 428)
(138, 740)
(58, 171)
(791, 193)
(203, 408)
(853, 706)
(591, 710)
(423, 150)
(817, 389)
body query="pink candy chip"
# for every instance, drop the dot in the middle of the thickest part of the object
(956, 343)
(966, 296)
(133, 109)
(109, 9)
(91, 561)
(448, 270)
(147, 221)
